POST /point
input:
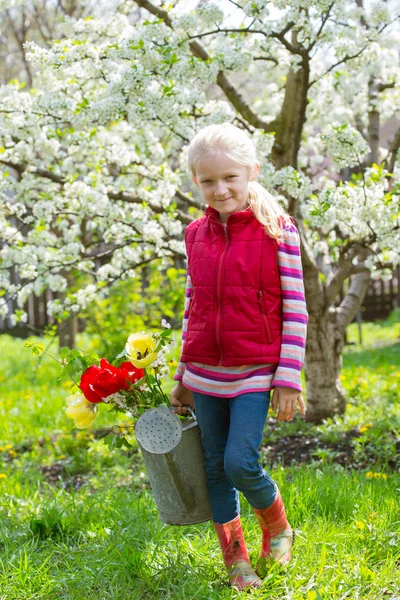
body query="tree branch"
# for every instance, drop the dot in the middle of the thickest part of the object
(393, 150)
(343, 60)
(228, 88)
(345, 269)
(125, 197)
(313, 286)
(353, 299)
(323, 22)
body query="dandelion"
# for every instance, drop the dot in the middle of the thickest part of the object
(360, 525)
(369, 475)
(3, 476)
(365, 427)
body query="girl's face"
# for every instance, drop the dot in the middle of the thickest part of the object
(224, 183)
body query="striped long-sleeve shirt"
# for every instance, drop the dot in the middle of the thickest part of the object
(232, 381)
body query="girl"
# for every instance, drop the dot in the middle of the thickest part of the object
(244, 331)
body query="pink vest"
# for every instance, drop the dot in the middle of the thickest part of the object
(235, 312)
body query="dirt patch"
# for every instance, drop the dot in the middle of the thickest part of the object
(300, 449)
(57, 474)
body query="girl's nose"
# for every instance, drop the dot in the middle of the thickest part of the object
(220, 189)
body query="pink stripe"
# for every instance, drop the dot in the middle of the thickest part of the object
(288, 249)
(290, 363)
(229, 395)
(296, 317)
(291, 272)
(293, 295)
(226, 376)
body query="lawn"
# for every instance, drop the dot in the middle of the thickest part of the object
(78, 522)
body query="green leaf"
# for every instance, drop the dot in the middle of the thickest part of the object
(121, 354)
(110, 440)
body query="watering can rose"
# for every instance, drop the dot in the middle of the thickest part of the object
(140, 349)
(100, 382)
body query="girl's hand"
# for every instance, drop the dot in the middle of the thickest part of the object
(286, 398)
(181, 395)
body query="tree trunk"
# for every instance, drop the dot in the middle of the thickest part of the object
(325, 340)
(323, 362)
(292, 117)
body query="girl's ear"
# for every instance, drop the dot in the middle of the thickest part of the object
(255, 171)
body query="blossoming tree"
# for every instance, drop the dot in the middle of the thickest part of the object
(93, 179)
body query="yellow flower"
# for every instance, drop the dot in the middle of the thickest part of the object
(383, 475)
(7, 446)
(360, 525)
(365, 427)
(140, 349)
(81, 410)
(3, 476)
(377, 475)
(369, 475)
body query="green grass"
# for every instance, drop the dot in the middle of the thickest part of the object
(79, 523)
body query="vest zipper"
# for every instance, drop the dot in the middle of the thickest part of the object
(218, 322)
(264, 316)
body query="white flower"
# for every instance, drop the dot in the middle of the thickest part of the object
(165, 324)
(345, 145)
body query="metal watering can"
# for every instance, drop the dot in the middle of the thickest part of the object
(174, 460)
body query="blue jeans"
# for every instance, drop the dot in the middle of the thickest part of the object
(231, 433)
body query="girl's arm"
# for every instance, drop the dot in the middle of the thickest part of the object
(294, 317)
(181, 365)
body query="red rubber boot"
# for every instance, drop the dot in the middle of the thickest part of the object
(277, 535)
(234, 552)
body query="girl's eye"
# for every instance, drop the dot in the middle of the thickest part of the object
(227, 177)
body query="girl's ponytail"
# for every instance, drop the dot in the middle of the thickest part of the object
(268, 211)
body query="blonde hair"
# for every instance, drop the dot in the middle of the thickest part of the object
(238, 147)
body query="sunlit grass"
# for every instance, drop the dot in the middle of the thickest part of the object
(78, 522)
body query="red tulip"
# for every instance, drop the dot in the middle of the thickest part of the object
(99, 382)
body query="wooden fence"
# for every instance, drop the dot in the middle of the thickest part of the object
(381, 298)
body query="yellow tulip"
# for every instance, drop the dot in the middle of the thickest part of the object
(140, 349)
(81, 410)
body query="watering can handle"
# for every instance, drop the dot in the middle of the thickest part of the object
(189, 408)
